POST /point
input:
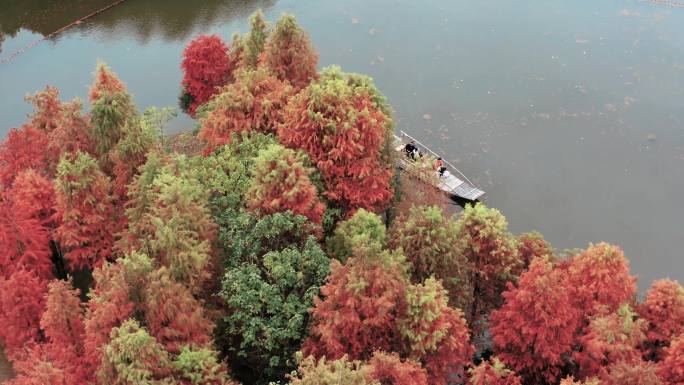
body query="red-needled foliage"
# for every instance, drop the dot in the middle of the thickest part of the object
(663, 308)
(23, 148)
(493, 372)
(33, 195)
(389, 369)
(174, 317)
(37, 368)
(571, 381)
(358, 312)
(73, 132)
(534, 329)
(493, 255)
(84, 206)
(24, 243)
(47, 109)
(281, 182)
(434, 333)
(632, 373)
(106, 82)
(671, 369)
(288, 53)
(599, 277)
(110, 304)
(25, 223)
(22, 302)
(532, 245)
(62, 325)
(254, 102)
(341, 123)
(609, 338)
(206, 66)
(62, 322)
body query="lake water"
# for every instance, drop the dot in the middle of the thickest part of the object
(569, 114)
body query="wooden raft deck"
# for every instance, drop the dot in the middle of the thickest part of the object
(449, 183)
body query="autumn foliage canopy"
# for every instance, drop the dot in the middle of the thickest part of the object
(269, 247)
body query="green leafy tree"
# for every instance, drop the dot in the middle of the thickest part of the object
(363, 230)
(269, 296)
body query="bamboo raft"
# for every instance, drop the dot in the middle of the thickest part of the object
(457, 188)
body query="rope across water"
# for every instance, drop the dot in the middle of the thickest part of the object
(73, 23)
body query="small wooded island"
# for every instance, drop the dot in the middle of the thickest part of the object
(278, 244)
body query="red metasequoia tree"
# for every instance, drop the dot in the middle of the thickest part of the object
(22, 302)
(206, 67)
(174, 317)
(47, 109)
(84, 206)
(26, 219)
(532, 245)
(73, 133)
(106, 82)
(37, 368)
(358, 313)
(33, 195)
(110, 304)
(493, 372)
(340, 122)
(288, 53)
(427, 239)
(434, 334)
(22, 149)
(663, 308)
(390, 369)
(493, 255)
(281, 182)
(571, 381)
(632, 373)
(62, 325)
(535, 328)
(252, 103)
(671, 369)
(599, 279)
(609, 338)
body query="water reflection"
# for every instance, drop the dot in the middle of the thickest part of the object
(169, 20)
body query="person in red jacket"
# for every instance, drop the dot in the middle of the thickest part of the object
(439, 167)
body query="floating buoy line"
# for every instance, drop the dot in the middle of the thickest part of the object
(52, 34)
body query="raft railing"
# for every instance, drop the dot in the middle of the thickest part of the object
(403, 134)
